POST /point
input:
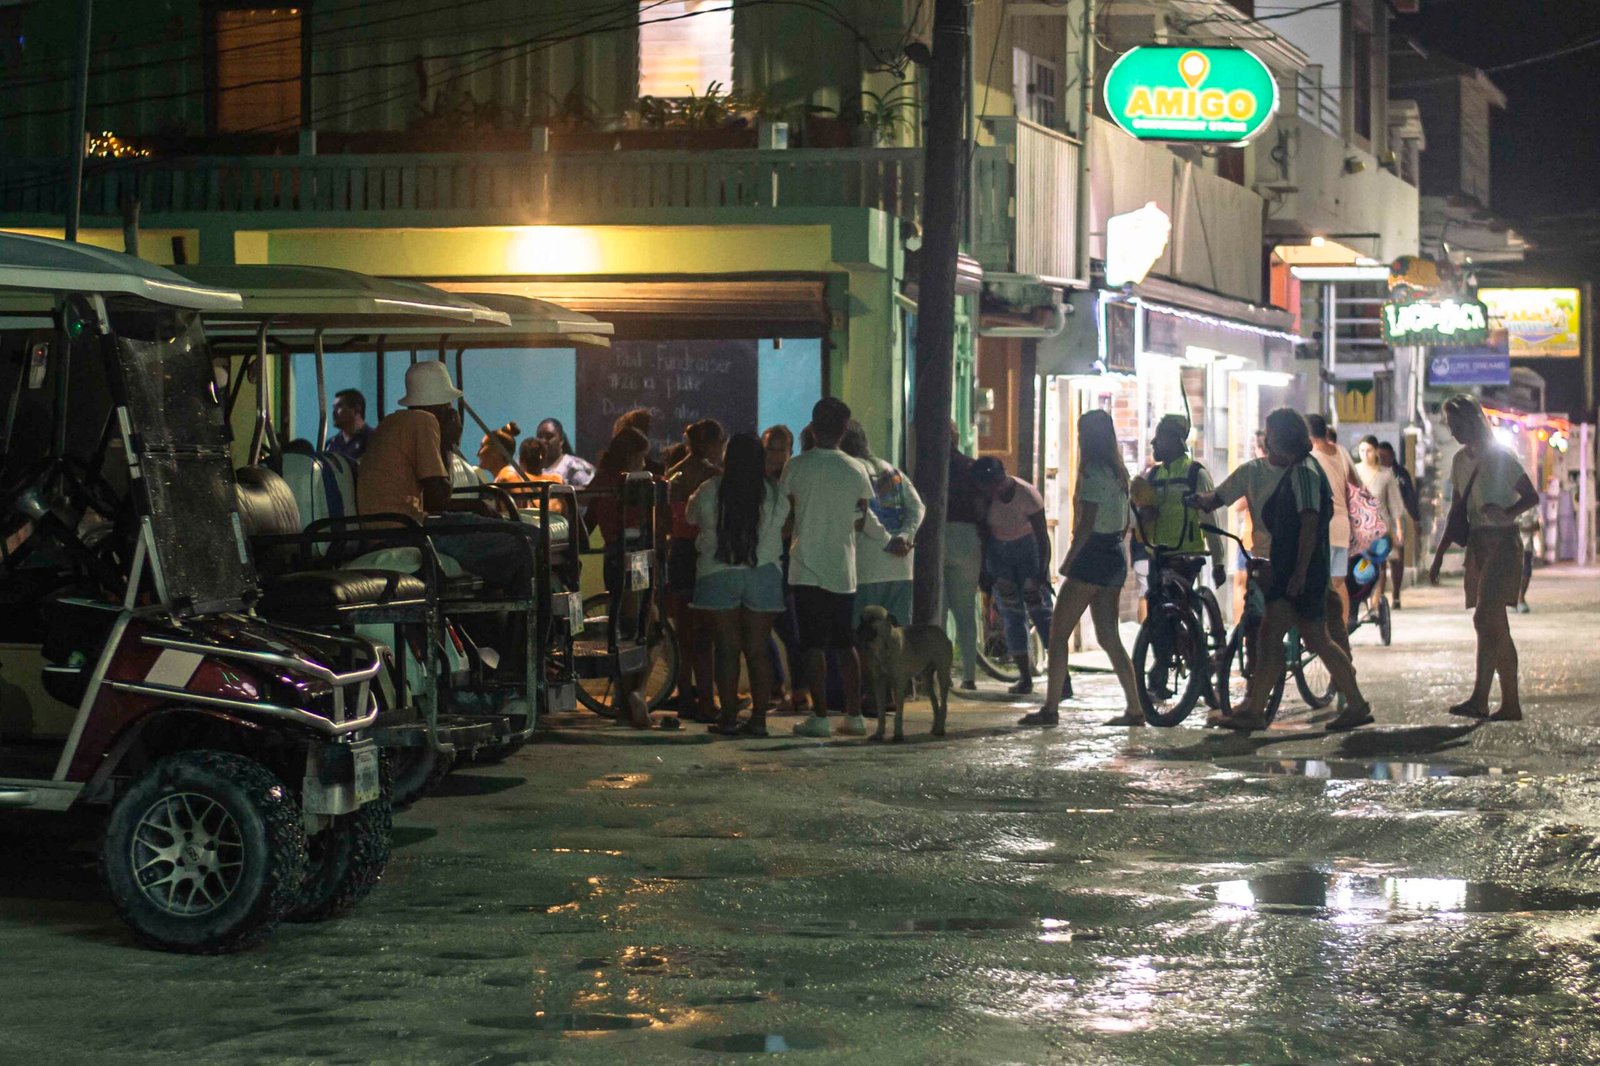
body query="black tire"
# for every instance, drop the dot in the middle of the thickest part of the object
(600, 694)
(1238, 665)
(345, 861)
(1184, 668)
(993, 658)
(237, 807)
(417, 771)
(1385, 622)
(1311, 677)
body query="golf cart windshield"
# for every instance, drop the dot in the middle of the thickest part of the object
(181, 442)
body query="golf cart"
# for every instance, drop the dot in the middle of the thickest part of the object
(234, 755)
(453, 702)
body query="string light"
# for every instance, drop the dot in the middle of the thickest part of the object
(107, 145)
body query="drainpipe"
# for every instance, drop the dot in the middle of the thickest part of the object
(1085, 115)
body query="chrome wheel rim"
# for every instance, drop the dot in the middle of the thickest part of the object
(187, 854)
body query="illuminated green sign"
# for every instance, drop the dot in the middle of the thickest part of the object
(1426, 322)
(1201, 95)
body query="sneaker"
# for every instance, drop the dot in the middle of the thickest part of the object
(1523, 608)
(1022, 688)
(815, 727)
(1040, 717)
(853, 725)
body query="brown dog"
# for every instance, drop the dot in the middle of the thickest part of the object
(892, 656)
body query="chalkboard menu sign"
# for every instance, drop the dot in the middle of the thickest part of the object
(679, 381)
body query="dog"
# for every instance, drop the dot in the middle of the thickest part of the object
(892, 657)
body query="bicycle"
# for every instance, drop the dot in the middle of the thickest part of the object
(1178, 654)
(1239, 659)
(992, 655)
(660, 676)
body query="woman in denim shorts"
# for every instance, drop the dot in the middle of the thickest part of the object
(739, 576)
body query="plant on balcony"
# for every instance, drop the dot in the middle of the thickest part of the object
(713, 109)
(869, 120)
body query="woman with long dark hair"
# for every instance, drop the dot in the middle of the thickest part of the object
(739, 575)
(1291, 508)
(558, 457)
(1096, 567)
(625, 455)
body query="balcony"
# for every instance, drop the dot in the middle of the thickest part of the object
(1025, 201)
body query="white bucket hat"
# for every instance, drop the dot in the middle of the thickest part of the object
(428, 384)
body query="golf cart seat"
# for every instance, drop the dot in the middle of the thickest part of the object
(323, 484)
(267, 507)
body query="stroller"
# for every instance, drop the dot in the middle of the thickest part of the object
(1365, 568)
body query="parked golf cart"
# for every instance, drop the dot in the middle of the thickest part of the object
(454, 704)
(233, 755)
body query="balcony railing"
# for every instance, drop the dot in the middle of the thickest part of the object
(1033, 230)
(533, 184)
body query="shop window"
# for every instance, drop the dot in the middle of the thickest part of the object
(684, 47)
(256, 56)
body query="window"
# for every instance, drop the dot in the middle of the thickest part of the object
(257, 60)
(1361, 86)
(1037, 88)
(684, 46)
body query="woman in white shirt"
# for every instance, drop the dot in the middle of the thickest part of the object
(1495, 492)
(739, 575)
(1096, 567)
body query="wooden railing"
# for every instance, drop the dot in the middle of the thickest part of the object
(1039, 236)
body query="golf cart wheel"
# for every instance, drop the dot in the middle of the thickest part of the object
(661, 677)
(1311, 677)
(1238, 666)
(1385, 622)
(1181, 667)
(417, 771)
(205, 854)
(345, 860)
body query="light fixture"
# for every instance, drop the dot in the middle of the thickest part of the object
(1318, 240)
(1354, 164)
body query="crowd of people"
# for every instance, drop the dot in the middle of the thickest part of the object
(773, 550)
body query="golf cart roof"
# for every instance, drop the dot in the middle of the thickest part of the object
(30, 266)
(295, 298)
(534, 324)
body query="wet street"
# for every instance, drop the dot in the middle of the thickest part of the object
(1426, 890)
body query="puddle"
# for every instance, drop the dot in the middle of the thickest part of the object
(1050, 930)
(1357, 770)
(1351, 896)
(567, 1023)
(759, 1043)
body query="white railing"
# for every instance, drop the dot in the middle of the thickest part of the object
(1042, 236)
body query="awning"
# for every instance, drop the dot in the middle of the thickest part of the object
(40, 264)
(710, 308)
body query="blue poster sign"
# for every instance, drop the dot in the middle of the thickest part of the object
(1469, 368)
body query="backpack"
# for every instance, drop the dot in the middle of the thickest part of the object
(1366, 520)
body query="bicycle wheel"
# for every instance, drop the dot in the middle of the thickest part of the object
(661, 674)
(1238, 666)
(1311, 677)
(1385, 622)
(992, 655)
(1170, 680)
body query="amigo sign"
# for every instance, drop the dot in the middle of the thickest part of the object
(1204, 95)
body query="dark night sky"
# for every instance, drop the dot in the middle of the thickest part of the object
(1547, 141)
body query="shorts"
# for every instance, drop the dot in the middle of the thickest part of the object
(682, 559)
(1493, 577)
(1338, 562)
(755, 588)
(1101, 561)
(825, 619)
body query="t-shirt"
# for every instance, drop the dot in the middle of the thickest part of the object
(1104, 489)
(1498, 472)
(899, 507)
(1008, 520)
(572, 470)
(702, 512)
(402, 452)
(1339, 470)
(826, 488)
(1254, 482)
(349, 447)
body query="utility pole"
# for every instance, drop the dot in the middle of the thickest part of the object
(943, 178)
(79, 120)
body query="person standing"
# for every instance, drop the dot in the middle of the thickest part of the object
(738, 583)
(1492, 492)
(1016, 556)
(883, 571)
(704, 441)
(608, 511)
(963, 557)
(1413, 514)
(558, 457)
(830, 496)
(350, 422)
(1096, 568)
(1528, 527)
(1339, 470)
(1384, 487)
(1291, 502)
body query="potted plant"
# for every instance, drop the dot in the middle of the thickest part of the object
(883, 120)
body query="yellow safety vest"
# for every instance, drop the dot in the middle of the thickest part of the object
(1176, 526)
